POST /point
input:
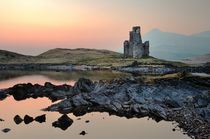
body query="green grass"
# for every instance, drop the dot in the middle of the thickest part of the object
(81, 57)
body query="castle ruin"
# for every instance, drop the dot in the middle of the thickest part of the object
(134, 47)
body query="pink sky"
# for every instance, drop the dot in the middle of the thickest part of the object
(33, 26)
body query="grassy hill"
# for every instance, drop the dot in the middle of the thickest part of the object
(7, 57)
(79, 56)
(76, 56)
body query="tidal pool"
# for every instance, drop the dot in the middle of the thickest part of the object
(101, 125)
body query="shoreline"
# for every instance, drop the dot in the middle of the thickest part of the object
(133, 69)
(184, 99)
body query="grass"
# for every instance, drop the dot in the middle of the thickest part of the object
(81, 57)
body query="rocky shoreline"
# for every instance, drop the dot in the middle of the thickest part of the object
(134, 68)
(184, 99)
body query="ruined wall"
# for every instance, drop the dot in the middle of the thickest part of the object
(138, 51)
(146, 48)
(136, 35)
(126, 49)
(134, 47)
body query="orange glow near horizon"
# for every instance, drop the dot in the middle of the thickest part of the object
(44, 21)
(92, 23)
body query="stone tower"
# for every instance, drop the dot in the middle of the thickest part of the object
(134, 47)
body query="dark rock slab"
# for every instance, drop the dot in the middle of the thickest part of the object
(41, 118)
(83, 86)
(3, 94)
(18, 119)
(161, 99)
(64, 122)
(24, 91)
(28, 119)
(6, 130)
(83, 133)
(87, 121)
(130, 97)
(21, 91)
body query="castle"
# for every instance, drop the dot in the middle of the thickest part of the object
(134, 47)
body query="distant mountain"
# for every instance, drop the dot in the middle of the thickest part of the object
(59, 55)
(173, 46)
(205, 34)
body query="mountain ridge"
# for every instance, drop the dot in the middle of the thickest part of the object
(174, 46)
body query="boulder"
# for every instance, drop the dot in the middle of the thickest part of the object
(41, 118)
(18, 119)
(83, 86)
(3, 94)
(83, 133)
(6, 130)
(28, 119)
(64, 122)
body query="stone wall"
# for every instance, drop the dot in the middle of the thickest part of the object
(134, 47)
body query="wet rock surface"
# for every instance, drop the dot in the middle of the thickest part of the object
(164, 99)
(64, 122)
(24, 91)
(41, 118)
(83, 133)
(28, 119)
(18, 120)
(6, 130)
(185, 100)
(3, 94)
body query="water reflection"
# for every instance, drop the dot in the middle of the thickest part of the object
(100, 125)
(11, 78)
(63, 76)
(92, 125)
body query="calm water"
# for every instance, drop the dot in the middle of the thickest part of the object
(101, 125)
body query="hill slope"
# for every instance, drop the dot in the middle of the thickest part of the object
(79, 57)
(61, 56)
(76, 56)
(205, 34)
(7, 57)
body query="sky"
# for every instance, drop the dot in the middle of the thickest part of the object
(34, 26)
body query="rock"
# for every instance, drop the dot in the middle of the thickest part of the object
(28, 119)
(54, 93)
(41, 119)
(48, 85)
(83, 133)
(3, 94)
(87, 121)
(64, 122)
(21, 91)
(83, 86)
(162, 99)
(6, 130)
(18, 119)
(171, 103)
